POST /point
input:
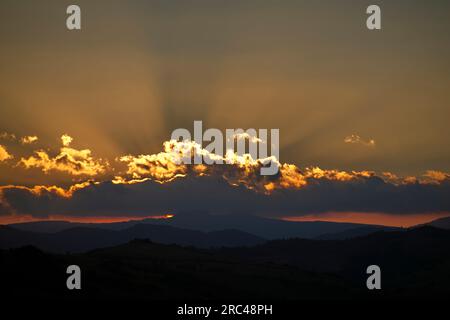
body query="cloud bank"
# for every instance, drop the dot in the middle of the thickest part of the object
(159, 183)
(69, 160)
(214, 194)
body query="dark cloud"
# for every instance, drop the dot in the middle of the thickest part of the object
(214, 194)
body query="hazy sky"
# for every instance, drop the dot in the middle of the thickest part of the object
(139, 69)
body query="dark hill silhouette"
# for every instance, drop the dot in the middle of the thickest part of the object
(414, 264)
(355, 232)
(443, 223)
(71, 240)
(262, 227)
(80, 239)
(418, 255)
(47, 226)
(145, 270)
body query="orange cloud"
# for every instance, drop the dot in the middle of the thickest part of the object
(429, 177)
(70, 160)
(66, 140)
(40, 190)
(248, 137)
(159, 167)
(242, 170)
(37, 191)
(291, 192)
(28, 139)
(4, 155)
(170, 164)
(433, 176)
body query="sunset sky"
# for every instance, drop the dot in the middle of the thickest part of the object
(87, 109)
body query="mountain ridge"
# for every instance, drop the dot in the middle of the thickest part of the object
(266, 228)
(85, 238)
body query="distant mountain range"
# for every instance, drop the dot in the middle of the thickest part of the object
(188, 229)
(80, 238)
(356, 232)
(414, 264)
(262, 227)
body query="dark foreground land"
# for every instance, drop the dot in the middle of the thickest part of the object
(414, 264)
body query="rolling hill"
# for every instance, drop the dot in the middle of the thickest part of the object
(80, 238)
(414, 264)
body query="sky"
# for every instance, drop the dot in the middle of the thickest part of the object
(372, 104)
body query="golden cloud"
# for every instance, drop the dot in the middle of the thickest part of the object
(66, 140)
(292, 189)
(170, 164)
(41, 191)
(28, 139)
(429, 177)
(70, 160)
(236, 169)
(247, 137)
(159, 167)
(435, 177)
(4, 155)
